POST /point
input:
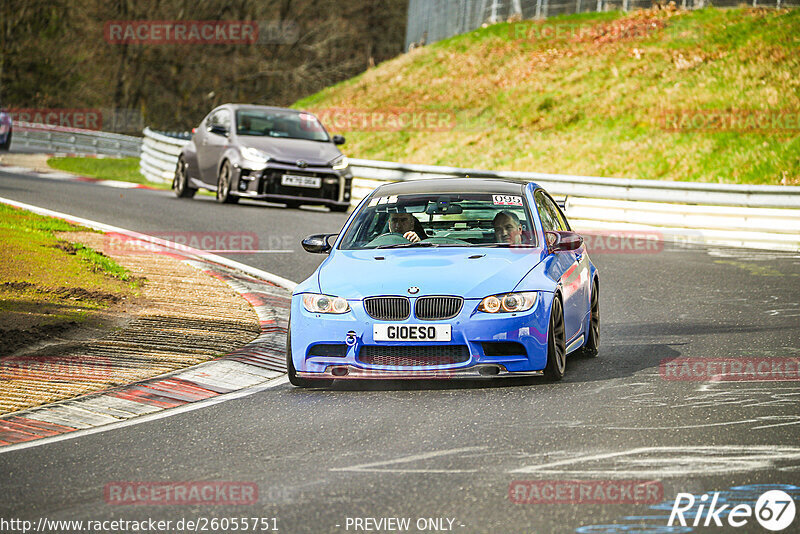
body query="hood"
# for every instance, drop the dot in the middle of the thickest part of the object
(355, 274)
(290, 150)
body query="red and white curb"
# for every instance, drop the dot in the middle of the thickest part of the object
(250, 369)
(57, 175)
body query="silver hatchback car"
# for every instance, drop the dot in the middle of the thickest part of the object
(265, 153)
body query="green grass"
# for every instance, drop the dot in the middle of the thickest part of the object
(121, 169)
(46, 281)
(590, 94)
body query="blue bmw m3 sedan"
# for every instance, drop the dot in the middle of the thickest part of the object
(445, 278)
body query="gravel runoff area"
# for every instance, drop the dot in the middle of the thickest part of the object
(183, 317)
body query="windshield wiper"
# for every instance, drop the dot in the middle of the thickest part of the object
(407, 245)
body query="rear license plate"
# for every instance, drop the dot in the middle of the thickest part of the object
(412, 332)
(301, 181)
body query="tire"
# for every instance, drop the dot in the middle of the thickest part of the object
(339, 209)
(7, 144)
(224, 179)
(556, 344)
(292, 372)
(292, 204)
(592, 345)
(180, 184)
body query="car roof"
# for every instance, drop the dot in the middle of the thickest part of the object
(256, 106)
(454, 185)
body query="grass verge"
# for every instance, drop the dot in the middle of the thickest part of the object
(48, 285)
(592, 94)
(121, 169)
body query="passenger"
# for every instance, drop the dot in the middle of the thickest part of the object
(404, 223)
(507, 228)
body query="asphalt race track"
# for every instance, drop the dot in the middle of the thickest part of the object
(451, 454)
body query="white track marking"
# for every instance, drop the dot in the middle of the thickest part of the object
(663, 462)
(373, 466)
(147, 418)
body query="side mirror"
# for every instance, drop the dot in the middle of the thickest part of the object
(219, 130)
(563, 241)
(338, 139)
(317, 243)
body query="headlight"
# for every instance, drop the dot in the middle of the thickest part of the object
(253, 154)
(509, 302)
(340, 163)
(325, 304)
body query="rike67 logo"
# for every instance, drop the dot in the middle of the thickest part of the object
(774, 510)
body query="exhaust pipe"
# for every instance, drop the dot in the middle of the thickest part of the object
(339, 371)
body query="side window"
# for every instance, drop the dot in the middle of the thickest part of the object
(224, 119)
(212, 119)
(549, 223)
(555, 213)
(219, 118)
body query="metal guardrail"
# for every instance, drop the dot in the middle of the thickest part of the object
(74, 141)
(756, 216)
(594, 187)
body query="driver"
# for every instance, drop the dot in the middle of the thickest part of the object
(403, 223)
(507, 228)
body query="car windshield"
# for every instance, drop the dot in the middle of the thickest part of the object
(279, 123)
(441, 220)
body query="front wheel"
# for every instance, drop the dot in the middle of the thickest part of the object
(556, 344)
(224, 179)
(292, 372)
(180, 184)
(592, 345)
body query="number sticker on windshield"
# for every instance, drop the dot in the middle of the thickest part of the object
(506, 200)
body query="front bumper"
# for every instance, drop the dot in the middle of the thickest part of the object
(479, 332)
(476, 371)
(265, 184)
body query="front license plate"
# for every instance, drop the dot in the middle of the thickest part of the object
(412, 332)
(301, 181)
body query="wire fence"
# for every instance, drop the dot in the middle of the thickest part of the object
(433, 20)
